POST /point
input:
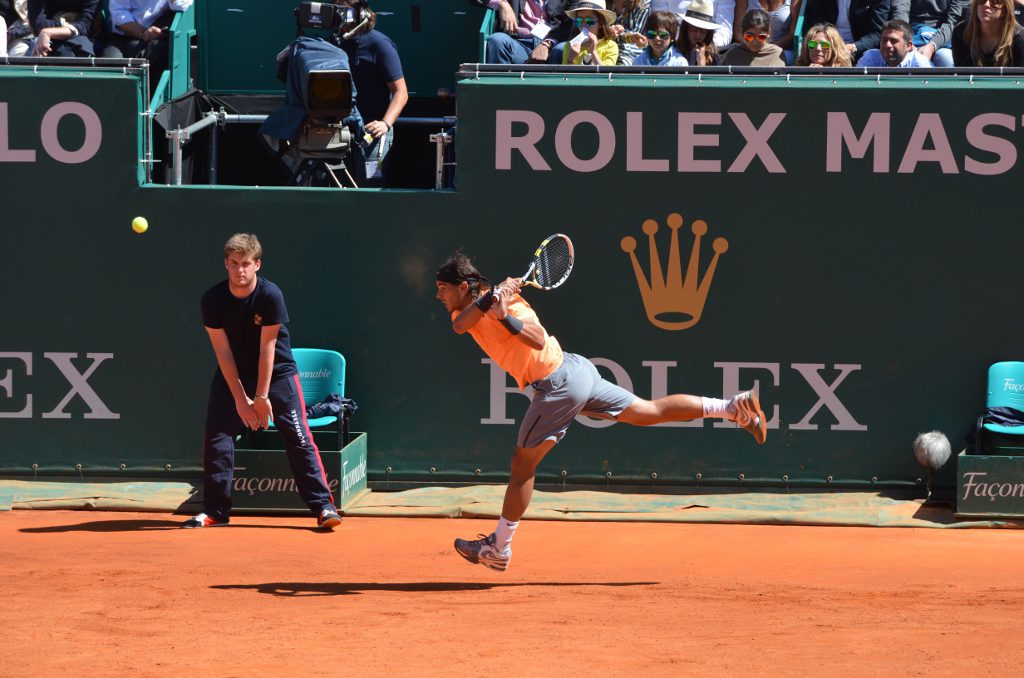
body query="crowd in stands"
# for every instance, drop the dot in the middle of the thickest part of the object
(837, 33)
(78, 28)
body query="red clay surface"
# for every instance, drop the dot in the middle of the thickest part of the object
(114, 594)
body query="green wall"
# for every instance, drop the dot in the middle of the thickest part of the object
(904, 282)
(433, 37)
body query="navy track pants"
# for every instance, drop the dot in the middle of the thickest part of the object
(222, 426)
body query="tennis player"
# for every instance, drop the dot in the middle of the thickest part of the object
(564, 384)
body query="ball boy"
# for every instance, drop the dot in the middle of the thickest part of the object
(256, 382)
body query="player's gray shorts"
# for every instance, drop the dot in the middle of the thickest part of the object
(574, 388)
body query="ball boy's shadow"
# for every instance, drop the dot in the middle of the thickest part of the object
(107, 526)
(352, 588)
(136, 525)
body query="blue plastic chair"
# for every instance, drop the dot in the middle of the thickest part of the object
(1005, 389)
(798, 32)
(486, 29)
(322, 372)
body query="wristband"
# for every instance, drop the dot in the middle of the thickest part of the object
(484, 302)
(513, 324)
(259, 397)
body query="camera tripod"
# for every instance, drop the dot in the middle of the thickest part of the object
(321, 172)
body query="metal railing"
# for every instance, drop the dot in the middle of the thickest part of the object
(177, 138)
(475, 71)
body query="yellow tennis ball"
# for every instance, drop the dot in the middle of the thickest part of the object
(139, 224)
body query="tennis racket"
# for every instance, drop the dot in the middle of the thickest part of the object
(551, 264)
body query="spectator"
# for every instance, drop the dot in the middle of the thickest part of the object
(696, 35)
(381, 92)
(859, 22)
(64, 28)
(729, 15)
(754, 48)
(932, 22)
(140, 30)
(896, 49)
(659, 32)
(15, 32)
(632, 17)
(726, 15)
(520, 22)
(989, 37)
(782, 26)
(592, 41)
(824, 47)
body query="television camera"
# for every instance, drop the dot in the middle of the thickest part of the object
(319, 120)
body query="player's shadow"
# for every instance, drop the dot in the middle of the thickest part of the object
(145, 525)
(298, 589)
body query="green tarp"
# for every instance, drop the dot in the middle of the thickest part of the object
(484, 501)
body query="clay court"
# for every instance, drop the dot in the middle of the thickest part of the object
(93, 593)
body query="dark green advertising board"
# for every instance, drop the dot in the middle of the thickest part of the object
(843, 247)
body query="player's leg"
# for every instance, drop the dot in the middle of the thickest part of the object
(743, 408)
(670, 408)
(521, 478)
(222, 425)
(494, 550)
(557, 400)
(611, 401)
(303, 455)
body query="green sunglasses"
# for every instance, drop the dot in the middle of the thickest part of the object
(590, 21)
(814, 44)
(664, 35)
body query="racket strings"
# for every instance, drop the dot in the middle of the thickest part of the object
(554, 262)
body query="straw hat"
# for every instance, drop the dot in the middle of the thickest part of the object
(701, 13)
(594, 6)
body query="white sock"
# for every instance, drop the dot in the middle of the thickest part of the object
(503, 534)
(720, 409)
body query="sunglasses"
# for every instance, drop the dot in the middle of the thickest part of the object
(661, 35)
(590, 21)
(760, 37)
(814, 44)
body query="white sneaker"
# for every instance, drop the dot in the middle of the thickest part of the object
(484, 552)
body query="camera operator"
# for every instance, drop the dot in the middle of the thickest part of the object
(382, 92)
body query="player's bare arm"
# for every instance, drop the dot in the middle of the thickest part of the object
(226, 362)
(458, 297)
(467, 318)
(532, 334)
(261, 403)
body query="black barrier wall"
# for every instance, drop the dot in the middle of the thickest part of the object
(856, 261)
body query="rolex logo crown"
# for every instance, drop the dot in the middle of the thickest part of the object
(672, 302)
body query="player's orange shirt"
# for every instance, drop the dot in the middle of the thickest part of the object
(524, 363)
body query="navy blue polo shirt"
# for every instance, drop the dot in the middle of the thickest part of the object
(374, 61)
(243, 319)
